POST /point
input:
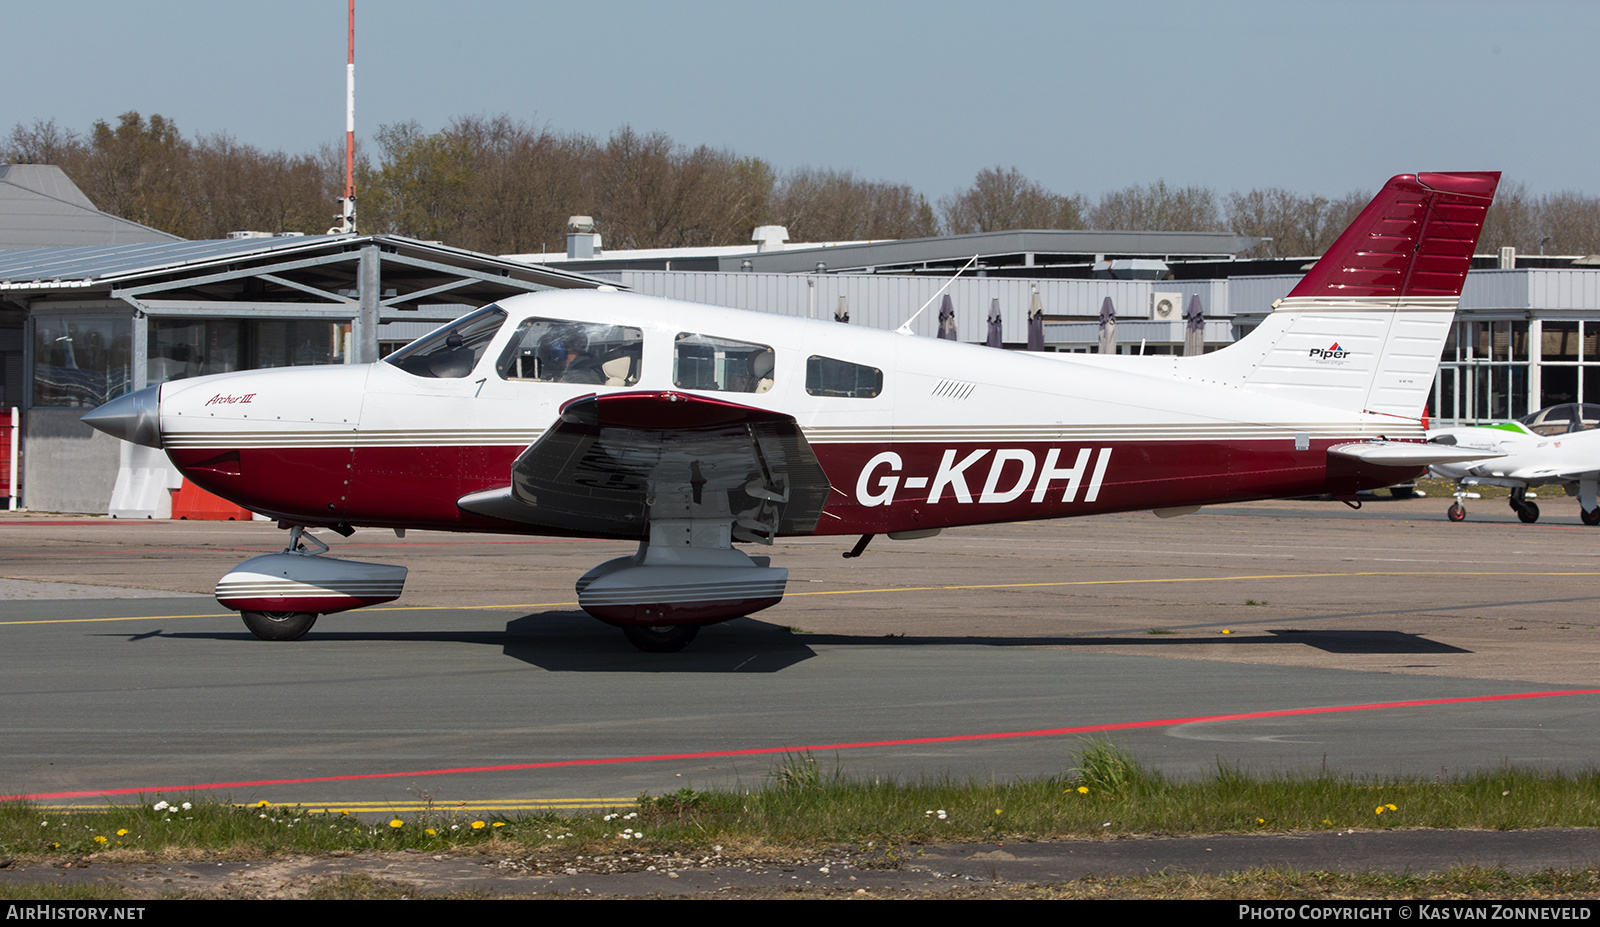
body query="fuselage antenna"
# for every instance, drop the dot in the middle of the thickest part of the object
(905, 328)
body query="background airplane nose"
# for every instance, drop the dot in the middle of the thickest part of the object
(134, 417)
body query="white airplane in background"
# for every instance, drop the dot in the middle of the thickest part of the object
(690, 428)
(1558, 444)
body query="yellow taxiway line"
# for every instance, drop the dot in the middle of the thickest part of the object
(1074, 582)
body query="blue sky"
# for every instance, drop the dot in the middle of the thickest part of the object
(1318, 97)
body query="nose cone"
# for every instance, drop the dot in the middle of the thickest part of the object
(134, 417)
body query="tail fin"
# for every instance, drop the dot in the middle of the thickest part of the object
(1363, 331)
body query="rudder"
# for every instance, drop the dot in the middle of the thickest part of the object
(1363, 330)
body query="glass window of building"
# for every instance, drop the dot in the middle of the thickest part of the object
(81, 362)
(1484, 372)
(180, 348)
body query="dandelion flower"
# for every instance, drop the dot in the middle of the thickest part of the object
(262, 804)
(99, 839)
(1391, 807)
(1378, 810)
(1083, 790)
(123, 832)
(397, 823)
(477, 825)
(430, 832)
(499, 824)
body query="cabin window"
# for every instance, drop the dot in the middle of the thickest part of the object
(451, 352)
(560, 351)
(721, 364)
(826, 376)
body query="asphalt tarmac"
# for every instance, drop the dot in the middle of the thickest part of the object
(1282, 636)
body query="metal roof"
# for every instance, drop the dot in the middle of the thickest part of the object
(1040, 242)
(40, 207)
(125, 265)
(1023, 248)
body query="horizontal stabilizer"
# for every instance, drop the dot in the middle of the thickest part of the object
(1402, 454)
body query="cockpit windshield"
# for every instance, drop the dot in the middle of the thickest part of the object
(1563, 419)
(451, 352)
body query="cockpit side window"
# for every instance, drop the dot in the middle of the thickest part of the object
(562, 351)
(722, 364)
(451, 352)
(826, 376)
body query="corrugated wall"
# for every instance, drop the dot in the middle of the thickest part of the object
(885, 301)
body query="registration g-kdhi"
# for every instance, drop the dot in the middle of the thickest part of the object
(701, 432)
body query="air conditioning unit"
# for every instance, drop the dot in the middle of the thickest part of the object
(1166, 307)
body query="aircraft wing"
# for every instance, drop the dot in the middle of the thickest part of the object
(1407, 454)
(612, 463)
(1554, 474)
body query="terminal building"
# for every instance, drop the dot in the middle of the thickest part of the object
(92, 306)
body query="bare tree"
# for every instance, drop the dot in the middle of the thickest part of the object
(44, 143)
(1297, 226)
(1158, 208)
(827, 205)
(1004, 199)
(1571, 221)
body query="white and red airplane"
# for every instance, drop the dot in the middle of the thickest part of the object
(692, 429)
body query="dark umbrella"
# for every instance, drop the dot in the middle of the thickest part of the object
(947, 319)
(1036, 323)
(842, 314)
(1108, 327)
(1194, 329)
(997, 333)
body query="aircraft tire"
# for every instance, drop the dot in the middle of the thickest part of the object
(1529, 513)
(1590, 516)
(279, 626)
(1456, 512)
(661, 639)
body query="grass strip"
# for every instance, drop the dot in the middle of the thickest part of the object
(803, 804)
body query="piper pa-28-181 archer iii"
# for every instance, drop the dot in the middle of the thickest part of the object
(691, 429)
(1558, 444)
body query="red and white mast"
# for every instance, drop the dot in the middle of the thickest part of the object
(347, 203)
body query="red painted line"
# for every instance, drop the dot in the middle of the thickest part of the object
(760, 751)
(29, 522)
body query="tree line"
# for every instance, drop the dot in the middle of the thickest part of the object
(505, 186)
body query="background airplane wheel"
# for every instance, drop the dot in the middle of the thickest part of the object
(279, 626)
(1529, 513)
(1590, 516)
(1456, 512)
(661, 639)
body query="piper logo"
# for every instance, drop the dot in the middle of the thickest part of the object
(1330, 354)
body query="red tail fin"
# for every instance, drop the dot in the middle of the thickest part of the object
(1414, 239)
